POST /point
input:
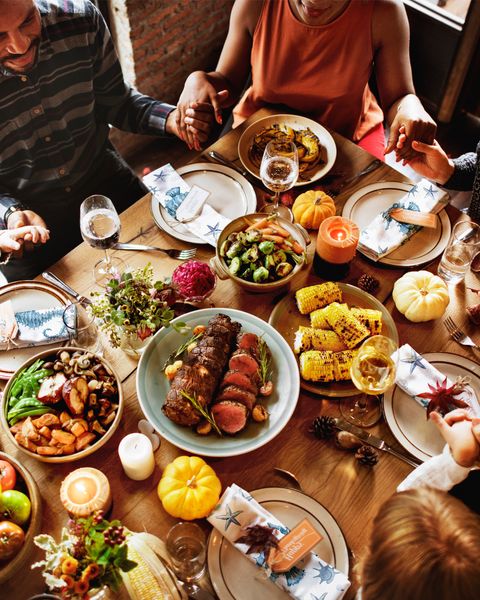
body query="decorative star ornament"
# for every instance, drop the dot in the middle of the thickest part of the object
(153, 189)
(413, 190)
(230, 517)
(214, 231)
(415, 360)
(430, 191)
(161, 176)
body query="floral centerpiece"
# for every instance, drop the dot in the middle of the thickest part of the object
(134, 306)
(90, 555)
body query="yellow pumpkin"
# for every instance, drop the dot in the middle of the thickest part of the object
(421, 296)
(189, 488)
(313, 207)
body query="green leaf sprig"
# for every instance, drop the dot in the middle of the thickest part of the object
(180, 350)
(265, 361)
(203, 411)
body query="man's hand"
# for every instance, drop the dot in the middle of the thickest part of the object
(430, 161)
(193, 125)
(23, 218)
(457, 430)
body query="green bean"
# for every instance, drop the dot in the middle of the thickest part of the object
(31, 412)
(13, 400)
(25, 402)
(17, 386)
(34, 366)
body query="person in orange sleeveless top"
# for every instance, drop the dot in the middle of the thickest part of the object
(317, 57)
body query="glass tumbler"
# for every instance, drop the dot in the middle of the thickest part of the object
(187, 550)
(80, 324)
(456, 258)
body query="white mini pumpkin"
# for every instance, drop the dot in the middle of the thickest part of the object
(420, 296)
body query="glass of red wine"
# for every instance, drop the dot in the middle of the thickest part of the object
(100, 227)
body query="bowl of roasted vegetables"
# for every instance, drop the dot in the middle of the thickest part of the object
(20, 515)
(261, 253)
(62, 405)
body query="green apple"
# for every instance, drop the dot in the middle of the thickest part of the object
(14, 506)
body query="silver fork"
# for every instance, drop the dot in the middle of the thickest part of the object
(172, 252)
(458, 335)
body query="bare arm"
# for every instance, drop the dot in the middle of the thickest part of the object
(391, 35)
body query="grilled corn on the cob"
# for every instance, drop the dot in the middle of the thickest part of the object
(308, 338)
(342, 361)
(341, 320)
(371, 318)
(315, 296)
(317, 365)
(318, 318)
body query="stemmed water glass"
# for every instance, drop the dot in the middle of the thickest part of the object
(100, 227)
(373, 372)
(279, 172)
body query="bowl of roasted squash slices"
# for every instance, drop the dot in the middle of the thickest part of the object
(62, 405)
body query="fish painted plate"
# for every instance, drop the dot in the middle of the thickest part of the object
(230, 194)
(328, 149)
(286, 319)
(28, 295)
(235, 577)
(407, 419)
(153, 386)
(423, 247)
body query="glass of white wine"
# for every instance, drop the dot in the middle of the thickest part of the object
(279, 173)
(100, 227)
(373, 372)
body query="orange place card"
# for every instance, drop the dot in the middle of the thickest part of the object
(293, 547)
(414, 217)
(8, 323)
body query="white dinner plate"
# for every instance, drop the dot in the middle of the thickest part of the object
(424, 246)
(296, 122)
(235, 577)
(231, 195)
(408, 420)
(27, 295)
(153, 386)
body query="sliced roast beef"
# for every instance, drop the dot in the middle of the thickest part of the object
(230, 417)
(242, 380)
(244, 362)
(232, 392)
(249, 342)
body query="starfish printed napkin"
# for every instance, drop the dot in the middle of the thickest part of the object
(172, 192)
(414, 373)
(311, 577)
(385, 234)
(37, 328)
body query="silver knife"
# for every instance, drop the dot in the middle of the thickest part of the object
(56, 281)
(371, 440)
(228, 163)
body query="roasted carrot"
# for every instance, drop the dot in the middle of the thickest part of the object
(272, 238)
(297, 248)
(261, 224)
(279, 230)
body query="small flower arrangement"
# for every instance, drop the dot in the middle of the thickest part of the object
(135, 304)
(91, 554)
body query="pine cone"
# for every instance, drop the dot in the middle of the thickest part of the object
(367, 283)
(323, 427)
(366, 455)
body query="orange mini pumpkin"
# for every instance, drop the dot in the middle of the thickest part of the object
(312, 207)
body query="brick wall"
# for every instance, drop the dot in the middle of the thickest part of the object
(169, 39)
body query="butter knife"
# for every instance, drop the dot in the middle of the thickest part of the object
(371, 440)
(228, 163)
(57, 282)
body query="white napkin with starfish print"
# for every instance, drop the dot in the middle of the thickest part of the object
(309, 578)
(415, 374)
(385, 234)
(173, 193)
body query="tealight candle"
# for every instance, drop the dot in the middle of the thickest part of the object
(84, 491)
(337, 242)
(136, 455)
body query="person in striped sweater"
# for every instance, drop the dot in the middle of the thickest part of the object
(61, 87)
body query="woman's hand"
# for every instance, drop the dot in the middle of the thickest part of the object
(412, 122)
(430, 160)
(459, 433)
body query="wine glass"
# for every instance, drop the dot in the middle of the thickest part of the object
(373, 372)
(279, 172)
(100, 227)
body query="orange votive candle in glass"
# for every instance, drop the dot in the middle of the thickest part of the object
(84, 491)
(337, 240)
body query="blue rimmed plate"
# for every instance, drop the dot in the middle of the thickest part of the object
(153, 386)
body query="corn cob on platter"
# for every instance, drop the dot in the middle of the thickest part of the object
(324, 324)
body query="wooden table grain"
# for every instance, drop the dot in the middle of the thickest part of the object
(351, 492)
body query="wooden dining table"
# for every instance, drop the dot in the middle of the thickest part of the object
(351, 492)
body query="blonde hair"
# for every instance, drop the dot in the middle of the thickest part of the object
(425, 545)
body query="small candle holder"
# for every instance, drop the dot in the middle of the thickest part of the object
(85, 491)
(136, 455)
(337, 243)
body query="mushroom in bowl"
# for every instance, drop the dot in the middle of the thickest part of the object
(261, 253)
(62, 405)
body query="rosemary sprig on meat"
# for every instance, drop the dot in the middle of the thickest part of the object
(180, 350)
(203, 411)
(265, 361)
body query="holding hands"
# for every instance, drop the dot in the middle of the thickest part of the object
(12, 240)
(462, 434)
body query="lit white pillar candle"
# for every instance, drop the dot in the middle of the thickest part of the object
(136, 455)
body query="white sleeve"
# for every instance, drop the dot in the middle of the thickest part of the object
(440, 472)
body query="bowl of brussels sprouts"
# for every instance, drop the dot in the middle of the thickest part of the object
(261, 253)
